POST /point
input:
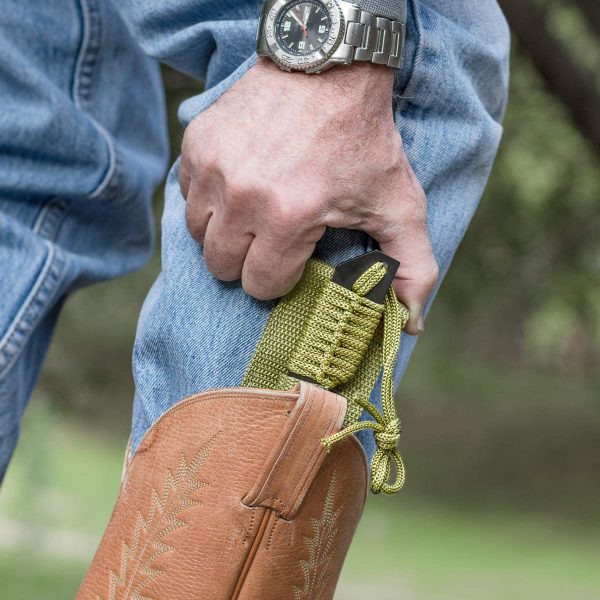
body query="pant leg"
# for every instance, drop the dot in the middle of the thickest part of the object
(81, 153)
(197, 333)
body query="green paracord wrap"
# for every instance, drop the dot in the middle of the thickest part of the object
(386, 425)
(339, 331)
(337, 337)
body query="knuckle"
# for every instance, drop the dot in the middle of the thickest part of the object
(194, 225)
(293, 213)
(238, 192)
(206, 162)
(284, 222)
(198, 158)
(200, 163)
(310, 209)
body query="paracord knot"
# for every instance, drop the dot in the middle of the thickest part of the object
(388, 438)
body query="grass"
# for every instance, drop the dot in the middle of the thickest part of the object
(60, 490)
(427, 552)
(25, 575)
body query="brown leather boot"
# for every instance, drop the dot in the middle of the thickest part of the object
(232, 495)
(255, 494)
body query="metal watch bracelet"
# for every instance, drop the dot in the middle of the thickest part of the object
(370, 38)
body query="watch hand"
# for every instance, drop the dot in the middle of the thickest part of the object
(307, 13)
(306, 17)
(302, 25)
(299, 20)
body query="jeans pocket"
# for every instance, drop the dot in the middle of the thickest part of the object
(32, 269)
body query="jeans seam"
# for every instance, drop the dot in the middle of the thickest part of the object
(91, 36)
(50, 218)
(46, 226)
(28, 315)
(88, 53)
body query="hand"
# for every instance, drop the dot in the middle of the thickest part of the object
(280, 156)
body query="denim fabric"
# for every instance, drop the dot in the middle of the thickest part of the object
(83, 144)
(392, 9)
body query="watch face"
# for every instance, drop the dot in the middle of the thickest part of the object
(303, 34)
(303, 27)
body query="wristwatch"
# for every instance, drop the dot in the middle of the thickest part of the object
(314, 35)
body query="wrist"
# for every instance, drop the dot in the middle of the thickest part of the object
(358, 80)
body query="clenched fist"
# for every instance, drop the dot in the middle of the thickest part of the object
(281, 156)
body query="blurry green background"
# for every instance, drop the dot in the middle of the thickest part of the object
(500, 407)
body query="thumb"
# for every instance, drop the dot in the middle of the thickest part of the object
(408, 242)
(401, 231)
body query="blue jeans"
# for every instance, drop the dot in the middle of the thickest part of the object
(83, 145)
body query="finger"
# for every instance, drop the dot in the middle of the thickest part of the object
(413, 287)
(402, 233)
(269, 272)
(416, 276)
(405, 237)
(198, 212)
(225, 248)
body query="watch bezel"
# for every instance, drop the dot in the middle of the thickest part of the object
(307, 62)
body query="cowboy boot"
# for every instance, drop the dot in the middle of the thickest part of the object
(231, 495)
(253, 493)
